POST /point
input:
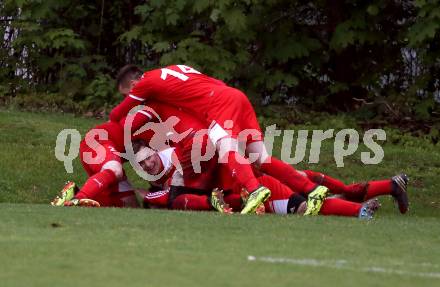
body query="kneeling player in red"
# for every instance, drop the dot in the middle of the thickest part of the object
(282, 199)
(107, 183)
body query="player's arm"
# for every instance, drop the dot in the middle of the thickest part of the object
(124, 107)
(139, 119)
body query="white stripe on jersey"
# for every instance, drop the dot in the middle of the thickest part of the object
(98, 182)
(136, 98)
(216, 132)
(156, 194)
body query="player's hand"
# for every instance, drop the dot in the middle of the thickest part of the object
(302, 208)
(228, 210)
(261, 209)
(54, 202)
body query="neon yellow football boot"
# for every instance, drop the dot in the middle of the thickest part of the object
(255, 199)
(218, 202)
(315, 200)
(66, 194)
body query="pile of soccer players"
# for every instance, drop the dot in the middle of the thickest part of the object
(201, 147)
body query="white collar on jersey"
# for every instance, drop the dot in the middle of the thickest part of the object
(166, 158)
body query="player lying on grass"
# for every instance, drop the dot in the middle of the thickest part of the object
(107, 184)
(282, 201)
(186, 180)
(355, 192)
(216, 105)
(187, 177)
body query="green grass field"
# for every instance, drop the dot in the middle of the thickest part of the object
(45, 246)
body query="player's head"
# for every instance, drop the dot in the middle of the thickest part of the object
(127, 77)
(147, 158)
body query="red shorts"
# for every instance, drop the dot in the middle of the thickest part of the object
(233, 105)
(106, 153)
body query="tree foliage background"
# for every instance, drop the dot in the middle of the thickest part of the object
(377, 57)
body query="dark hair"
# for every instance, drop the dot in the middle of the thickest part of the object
(126, 73)
(138, 144)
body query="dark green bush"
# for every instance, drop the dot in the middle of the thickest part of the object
(380, 57)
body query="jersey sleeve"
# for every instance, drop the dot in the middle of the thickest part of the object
(123, 108)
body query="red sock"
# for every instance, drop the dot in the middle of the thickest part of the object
(378, 187)
(234, 201)
(242, 173)
(337, 206)
(96, 184)
(336, 186)
(288, 175)
(356, 192)
(191, 202)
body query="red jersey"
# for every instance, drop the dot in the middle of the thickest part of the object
(177, 85)
(115, 135)
(161, 113)
(186, 141)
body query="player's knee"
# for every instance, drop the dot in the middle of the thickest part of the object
(119, 173)
(216, 133)
(227, 144)
(116, 168)
(258, 150)
(225, 147)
